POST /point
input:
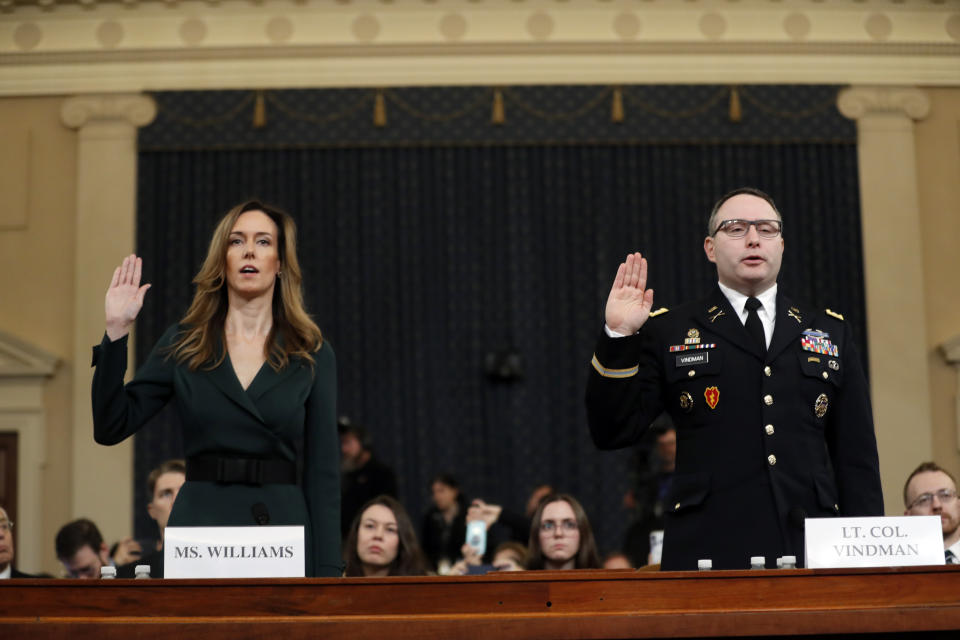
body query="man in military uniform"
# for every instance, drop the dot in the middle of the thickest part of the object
(769, 398)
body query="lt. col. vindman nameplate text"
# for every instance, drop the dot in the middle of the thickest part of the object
(896, 541)
(233, 552)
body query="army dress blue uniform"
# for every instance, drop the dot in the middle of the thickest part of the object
(764, 440)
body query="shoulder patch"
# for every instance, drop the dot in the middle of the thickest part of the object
(660, 311)
(838, 316)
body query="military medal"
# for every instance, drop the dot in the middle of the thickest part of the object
(693, 337)
(712, 396)
(833, 364)
(687, 347)
(818, 342)
(686, 401)
(820, 406)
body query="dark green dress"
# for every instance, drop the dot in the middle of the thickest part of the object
(270, 419)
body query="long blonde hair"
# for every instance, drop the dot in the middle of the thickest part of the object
(202, 342)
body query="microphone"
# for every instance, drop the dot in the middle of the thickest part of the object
(260, 513)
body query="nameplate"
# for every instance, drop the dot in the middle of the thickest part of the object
(895, 541)
(233, 552)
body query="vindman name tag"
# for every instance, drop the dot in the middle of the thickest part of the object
(895, 541)
(233, 552)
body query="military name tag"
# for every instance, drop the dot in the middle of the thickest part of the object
(895, 541)
(689, 359)
(234, 552)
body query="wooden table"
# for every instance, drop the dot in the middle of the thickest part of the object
(541, 604)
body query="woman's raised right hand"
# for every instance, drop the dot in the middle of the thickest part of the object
(124, 297)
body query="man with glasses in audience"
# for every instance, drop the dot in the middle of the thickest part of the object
(932, 491)
(7, 570)
(768, 397)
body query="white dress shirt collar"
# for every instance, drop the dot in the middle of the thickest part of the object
(767, 312)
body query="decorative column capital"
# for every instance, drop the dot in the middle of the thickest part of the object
(136, 108)
(856, 102)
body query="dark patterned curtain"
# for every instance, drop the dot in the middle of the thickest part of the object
(421, 260)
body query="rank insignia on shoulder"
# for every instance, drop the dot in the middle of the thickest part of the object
(661, 310)
(838, 316)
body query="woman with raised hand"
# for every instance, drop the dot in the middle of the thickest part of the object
(252, 378)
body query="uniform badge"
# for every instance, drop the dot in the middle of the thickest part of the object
(686, 401)
(712, 396)
(794, 313)
(818, 342)
(716, 315)
(833, 364)
(693, 337)
(687, 347)
(820, 406)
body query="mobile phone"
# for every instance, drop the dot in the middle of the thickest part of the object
(477, 536)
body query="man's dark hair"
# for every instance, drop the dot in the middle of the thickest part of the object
(924, 468)
(345, 425)
(446, 479)
(167, 466)
(76, 535)
(753, 191)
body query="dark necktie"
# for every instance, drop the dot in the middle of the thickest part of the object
(754, 325)
(950, 558)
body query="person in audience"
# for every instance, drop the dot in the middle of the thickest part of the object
(617, 560)
(444, 527)
(510, 556)
(647, 498)
(7, 570)
(536, 496)
(362, 476)
(81, 549)
(932, 491)
(163, 485)
(125, 551)
(561, 537)
(382, 542)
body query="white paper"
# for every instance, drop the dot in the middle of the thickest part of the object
(895, 541)
(233, 552)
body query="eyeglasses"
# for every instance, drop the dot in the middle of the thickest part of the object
(740, 228)
(6, 525)
(925, 500)
(568, 526)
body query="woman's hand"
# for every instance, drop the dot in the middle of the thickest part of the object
(124, 297)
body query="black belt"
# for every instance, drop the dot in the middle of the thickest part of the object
(230, 470)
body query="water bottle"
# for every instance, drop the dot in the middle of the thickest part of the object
(141, 571)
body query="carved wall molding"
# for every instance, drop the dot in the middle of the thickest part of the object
(138, 110)
(855, 102)
(53, 47)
